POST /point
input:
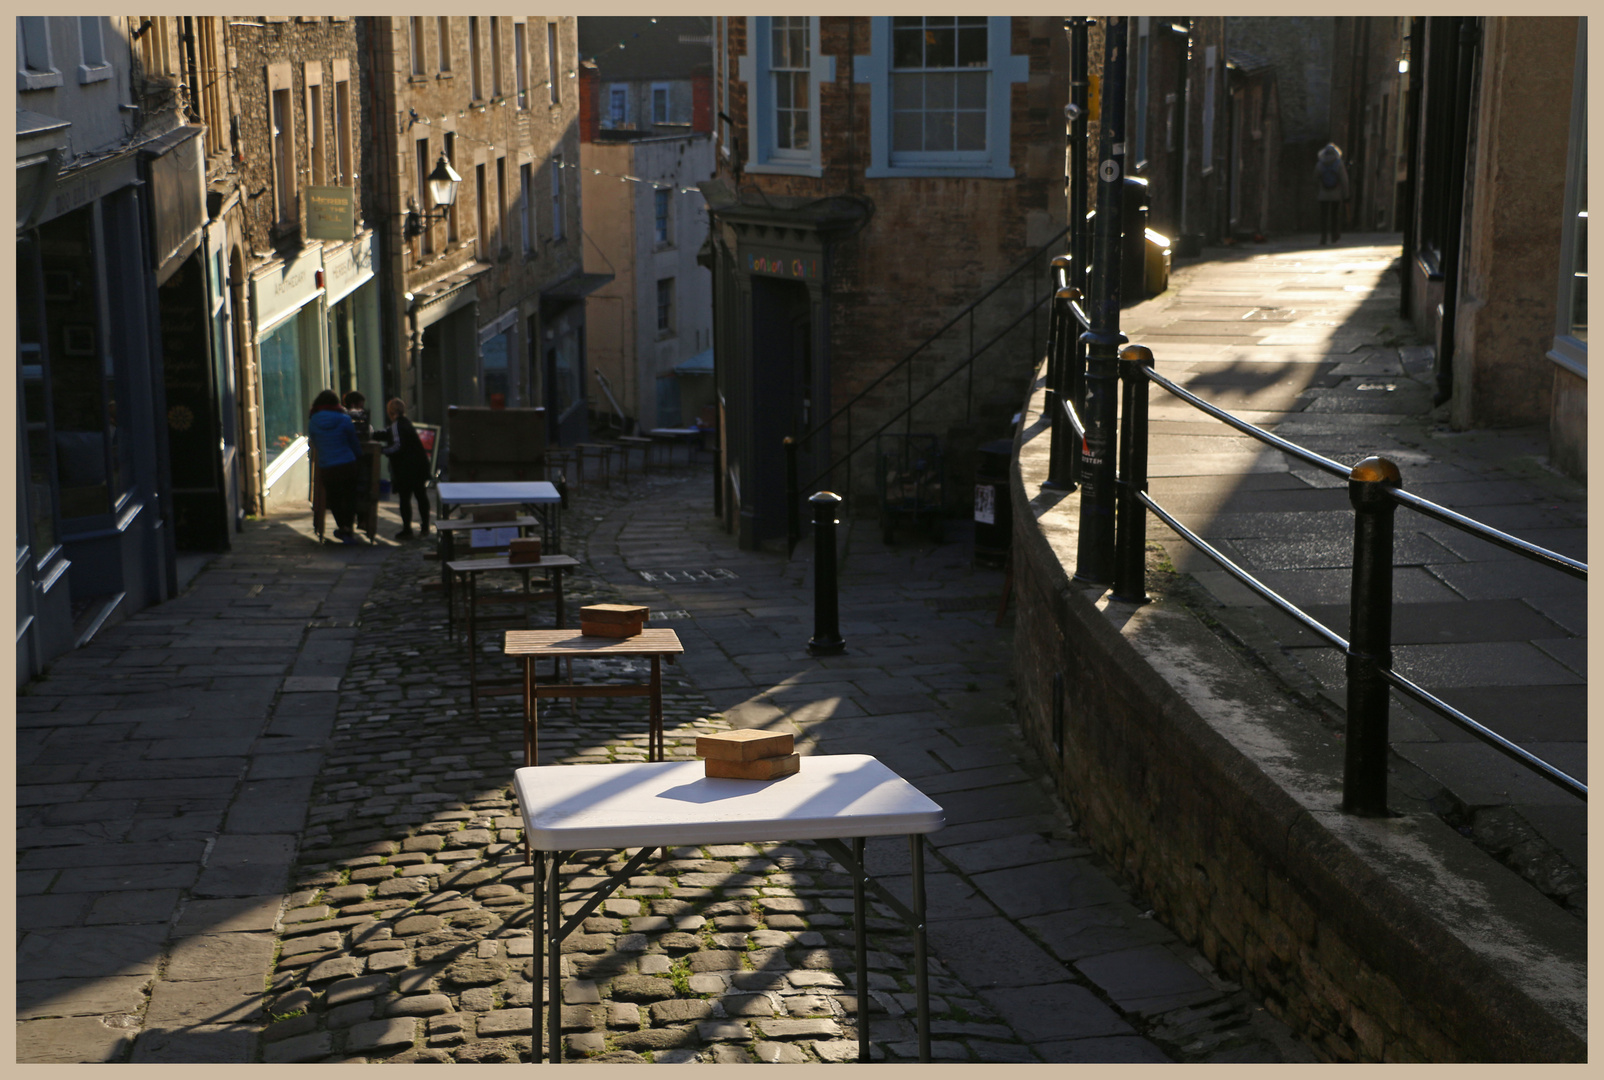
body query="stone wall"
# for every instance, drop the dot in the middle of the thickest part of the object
(1214, 795)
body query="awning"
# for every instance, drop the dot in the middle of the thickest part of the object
(700, 364)
(576, 288)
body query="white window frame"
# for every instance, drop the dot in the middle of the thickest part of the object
(95, 67)
(666, 116)
(1005, 67)
(617, 95)
(33, 42)
(761, 155)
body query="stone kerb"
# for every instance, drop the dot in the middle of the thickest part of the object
(1216, 795)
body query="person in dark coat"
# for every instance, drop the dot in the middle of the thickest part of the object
(338, 451)
(1331, 189)
(356, 407)
(409, 468)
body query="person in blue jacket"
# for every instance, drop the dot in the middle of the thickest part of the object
(334, 437)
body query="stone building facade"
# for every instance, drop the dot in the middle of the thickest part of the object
(841, 237)
(484, 299)
(1495, 243)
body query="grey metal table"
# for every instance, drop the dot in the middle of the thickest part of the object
(656, 804)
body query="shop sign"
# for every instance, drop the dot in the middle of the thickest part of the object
(347, 267)
(330, 213)
(285, 286)
(801, 267)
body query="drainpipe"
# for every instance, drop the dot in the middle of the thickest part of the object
(1469, 40)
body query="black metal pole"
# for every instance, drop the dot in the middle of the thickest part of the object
(1061, 330)
(1079, 123)
(1130, 533)
(1095, 555)
(826, 618)
(554, 947)
(1364, 774)
(921, 958)
(860, 940)
(793, 499)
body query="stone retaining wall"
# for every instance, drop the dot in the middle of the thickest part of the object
(1215, 795)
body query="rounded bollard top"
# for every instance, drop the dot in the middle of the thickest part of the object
(1139, 353)
(1376, 469)
(1069, 292)
(788, 441)
(824, 498)
(1062, 262)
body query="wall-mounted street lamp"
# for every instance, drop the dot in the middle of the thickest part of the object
(443, 183)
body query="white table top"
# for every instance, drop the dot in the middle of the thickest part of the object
(669, 803)
(499, 491)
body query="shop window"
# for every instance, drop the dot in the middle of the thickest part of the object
(35, 412)
(783, 70)
(940, 90)
(82, 390)
(495, 352)
(287, 389)
(35, 67)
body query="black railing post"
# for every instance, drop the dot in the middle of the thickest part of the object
(1095, 555)
(1079, 120)
(1364, 774)
(793, 499)
(1130, 534)
(826, 617)
(1061, 329)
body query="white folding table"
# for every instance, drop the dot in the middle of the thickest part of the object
(651, 805)
(530, 493)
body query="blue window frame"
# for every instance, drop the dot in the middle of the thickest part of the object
(783, 70)
(940, 95)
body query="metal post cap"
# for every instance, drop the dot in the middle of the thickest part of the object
(788, 440)
(823, 498)
(1067, 293)
(1375, 469)
(1139, 353)
(1062, 262)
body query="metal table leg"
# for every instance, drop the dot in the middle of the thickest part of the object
(860, 933)
(921, 958)
(554, 922)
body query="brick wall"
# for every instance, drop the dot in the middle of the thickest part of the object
(1235, 842)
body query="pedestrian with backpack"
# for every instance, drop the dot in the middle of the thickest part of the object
(1331, 189)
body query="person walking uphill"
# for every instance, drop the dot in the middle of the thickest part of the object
(1331, 182)
(409, 468)
(334, 438)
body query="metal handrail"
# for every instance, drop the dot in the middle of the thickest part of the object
(1374, 491)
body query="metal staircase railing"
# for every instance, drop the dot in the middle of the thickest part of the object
(1039, 259)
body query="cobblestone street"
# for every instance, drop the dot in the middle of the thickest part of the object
(406, 935)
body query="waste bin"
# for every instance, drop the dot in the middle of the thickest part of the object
(993, 518)
(1133, 253)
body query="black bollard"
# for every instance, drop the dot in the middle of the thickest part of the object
(1364, 776)
(826, 618)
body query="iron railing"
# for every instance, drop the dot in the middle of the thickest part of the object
(795, 446)
(1375, 493)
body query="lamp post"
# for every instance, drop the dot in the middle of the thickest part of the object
(443, 183)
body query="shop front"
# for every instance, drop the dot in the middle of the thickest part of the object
(290, 353)
(352, 298)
